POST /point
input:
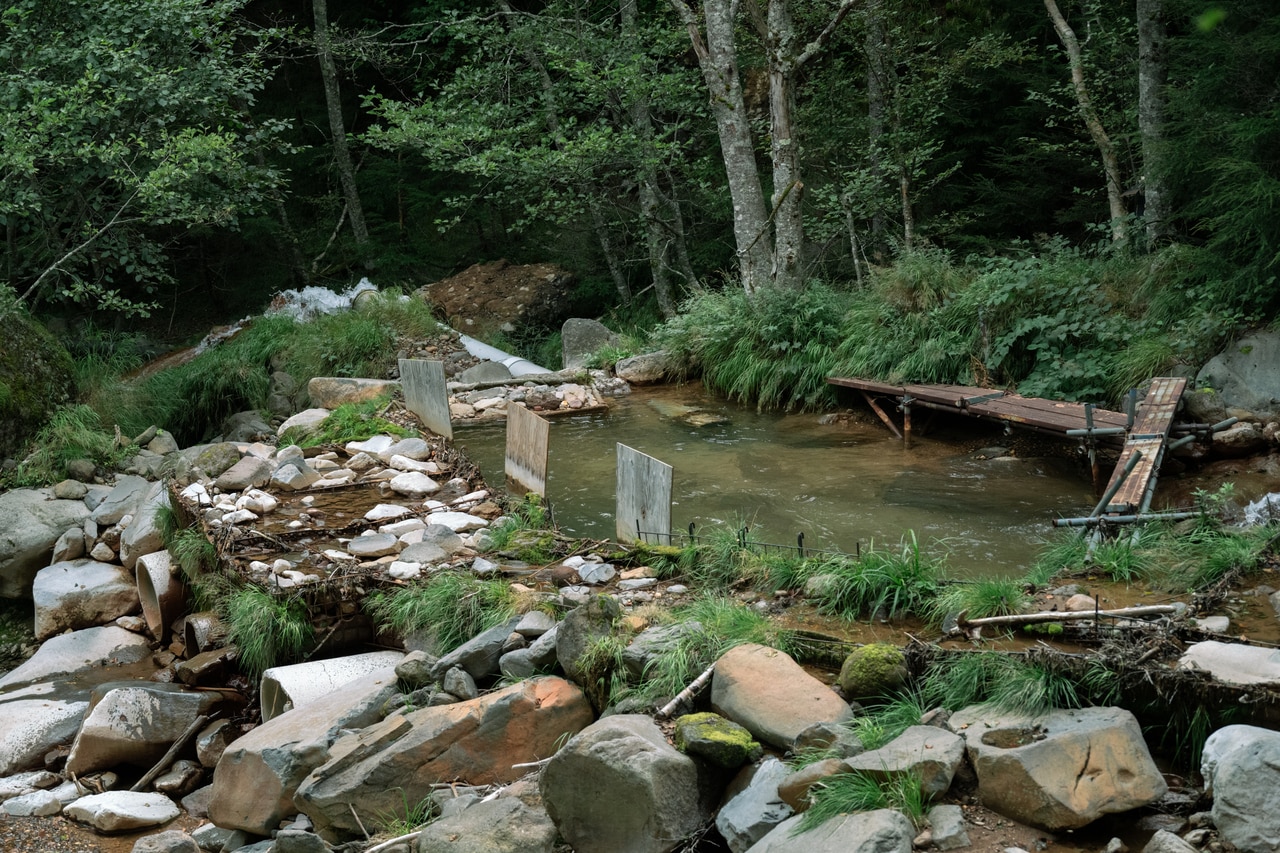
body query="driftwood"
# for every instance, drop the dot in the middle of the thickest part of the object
(164, 762)
(688, 693)
(963, 624)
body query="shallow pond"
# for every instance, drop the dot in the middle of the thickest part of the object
(844, 485)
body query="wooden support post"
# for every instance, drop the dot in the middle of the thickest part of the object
(906, 422)
(875, 407)
(1092, 444)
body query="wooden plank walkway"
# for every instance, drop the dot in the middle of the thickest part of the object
(1150, 432)
(1031, 412)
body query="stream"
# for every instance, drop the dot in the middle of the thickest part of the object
(845, 485)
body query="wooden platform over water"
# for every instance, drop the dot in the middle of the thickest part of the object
(1146, 439)
(1050, 416)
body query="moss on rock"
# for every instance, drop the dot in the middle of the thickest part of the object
(874, 670)
(36, 377)
(720, 741)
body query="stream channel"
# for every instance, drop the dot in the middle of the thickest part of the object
(845, 485)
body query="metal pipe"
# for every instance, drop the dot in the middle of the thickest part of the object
(1221, 425)
(1084, 433)
(1182, 442)
(1140, 518)
(1115, 487)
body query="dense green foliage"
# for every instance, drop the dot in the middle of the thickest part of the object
(451, 606)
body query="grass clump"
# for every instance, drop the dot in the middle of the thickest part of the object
(454, 606)
(887, 583)
(268, 630)
(997, 681)
(348, 422)
(192, 553)
(980, 599)
(845, 793)
(882, 723)
(74, 432)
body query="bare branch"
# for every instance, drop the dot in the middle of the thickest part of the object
(820, 41)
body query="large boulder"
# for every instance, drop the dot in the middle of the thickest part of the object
(81, 594)
(142, 536)
(134, 724)
(498, 296)
(1234, 664)
(124, 499)
(98, 649)
(755, 809)
(879, 831)
(1244, 376)
(504, 825)
(330, 392)
(257, 776)
(36, 377)
(376, 770)
(927, 753)
(120, 811)
(35, 719)
(581, 628)
(647, 368)
(1241, 768)
(580, 338)
(619, 787)
(31, 521)
(479, 656)
(1059, 770)
(770, 695)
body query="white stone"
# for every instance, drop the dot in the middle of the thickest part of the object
(413, 448)
(573, 562)
(372, 446)
(404, 571)
(239, 516)
(34, 804)
(362, 462)
(404, 463)
(281, 566)
(387, 512)
(414, 536)
(497, 403)
(102, 553)
(117, 811)
(458, 522)
(399, 528)
(324, 465)
(307, 421)
(434, 505)
(256, 500)
(259, 566)
(197, 494)
(337, 478)
(597, 573)
(338, 556)
(260, 450)
(473, 498)
(1229, 663)
(414, 484)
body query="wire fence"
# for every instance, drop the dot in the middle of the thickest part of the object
(691, 536)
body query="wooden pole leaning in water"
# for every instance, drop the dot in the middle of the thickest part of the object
(906, 420)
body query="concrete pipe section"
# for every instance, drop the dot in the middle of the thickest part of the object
(286, 687)
(163, 597)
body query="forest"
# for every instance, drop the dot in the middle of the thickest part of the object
(1067, 196)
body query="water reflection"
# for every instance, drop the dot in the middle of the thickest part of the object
(843, 485)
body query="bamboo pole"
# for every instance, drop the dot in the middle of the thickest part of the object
(963, 624)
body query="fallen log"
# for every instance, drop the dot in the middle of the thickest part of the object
(963, 624)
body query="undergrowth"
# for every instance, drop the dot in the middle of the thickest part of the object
(74, 432)
(268, 630)
(348, 422)
(454, 606)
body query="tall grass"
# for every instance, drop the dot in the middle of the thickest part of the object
(454, 606)
(268, 630)
(846, 793)
(74, 432)
(888, 582)
(998, 681)
(980, 599)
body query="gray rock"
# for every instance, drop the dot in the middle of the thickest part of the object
(625, 761)
(30, 523)
(836, 740)
(930, 754)
(1241, 440)
(479, 656)
(377, 545)
(163, 443)
(212, 741)
(169, 841)
(768, 693)
(299, 841)
(78, 651)
(504, 825)
(1164, 841)
(216, 838)
(124, 499)
(1241, 769)
(484, 372)
(180, 779)
(81, 594)
(756, 809)
(1234, 664)
(119, 811)
(413, 448)
(250, 472)
(581, 628)
(947, 823)
(376, 770)
(34, 721)
(295, 475)
(1059, 770)
(581, 338)
(330, 392)
(538, 656)
(33, 804)
(257, 776)
(646, 368)
(70, 546)
(244, 427)
(196, 803)
(212, 459)
(535, 623)
(653, 642)
(305, 422)
(134, 723)
(1245, 375)
(880, 831)
(457, 682)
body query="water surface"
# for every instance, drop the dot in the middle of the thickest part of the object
(844, 485)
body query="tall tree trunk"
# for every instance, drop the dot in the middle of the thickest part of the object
(1152, 74)
(1110, 164)
(338, 127)
(878, 72)
(718, 59)
(908, 215)
(788, 189)
(656, 229)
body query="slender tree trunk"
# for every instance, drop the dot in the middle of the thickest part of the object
(1110, 164)
(1152, 76)
(718, 59)
(651, 209)
(788, 189)
(877, 86)
(908, 215)
(337, 127)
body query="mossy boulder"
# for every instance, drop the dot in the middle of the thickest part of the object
(35, 379)
(873, 670)
(722, 742)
